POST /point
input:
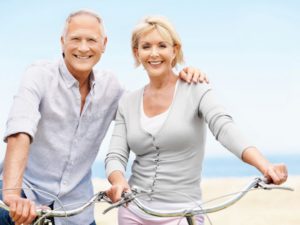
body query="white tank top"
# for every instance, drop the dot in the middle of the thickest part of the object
(153, 124)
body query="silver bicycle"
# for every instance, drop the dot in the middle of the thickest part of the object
(43, 215)
(189, 214)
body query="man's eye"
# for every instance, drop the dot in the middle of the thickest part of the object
(75, 39)
(92, 40)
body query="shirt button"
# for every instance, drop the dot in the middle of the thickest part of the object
(157, 147)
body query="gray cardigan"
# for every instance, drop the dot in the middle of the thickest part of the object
(171, 160)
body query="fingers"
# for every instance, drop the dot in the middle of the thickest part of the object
(184, 76)
(115, 192)
(22, 211)
(12, 208)
(32, 214)
(203, 78)
(190, 74)
(277, 173)
(193, 75)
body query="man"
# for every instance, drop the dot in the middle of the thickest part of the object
(57, 122)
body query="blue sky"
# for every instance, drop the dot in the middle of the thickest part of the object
(249, 49)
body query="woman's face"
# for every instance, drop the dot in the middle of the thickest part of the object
(155, 53)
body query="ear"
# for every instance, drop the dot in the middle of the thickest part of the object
(62, 43)
(104, 44)
(137, 56)
(175, 50)
(136, 53)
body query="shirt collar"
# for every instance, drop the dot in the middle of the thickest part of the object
(70, 79)
(66, 75)
(92, 82)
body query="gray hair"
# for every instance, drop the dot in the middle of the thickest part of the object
(82, 12)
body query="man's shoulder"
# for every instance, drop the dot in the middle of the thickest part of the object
(41, 71)
(104, 74)
(44, 66)
(106, 78)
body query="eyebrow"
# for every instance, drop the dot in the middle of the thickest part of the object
(161, 42)
(85, 36)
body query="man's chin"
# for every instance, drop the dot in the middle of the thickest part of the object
(84, 68)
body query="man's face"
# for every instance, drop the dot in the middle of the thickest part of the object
(83, 44)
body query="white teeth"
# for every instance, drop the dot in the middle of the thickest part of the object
(155, 62)
(82, 57)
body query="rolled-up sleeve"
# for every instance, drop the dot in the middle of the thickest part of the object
(24, 114)
(222, 125)
(118, 152)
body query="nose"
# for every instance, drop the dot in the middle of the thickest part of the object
(154, 51)
(83, 46)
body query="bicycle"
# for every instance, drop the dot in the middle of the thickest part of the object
(256, 183)
(43, 214)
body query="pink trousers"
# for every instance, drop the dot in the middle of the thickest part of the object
(126, 217)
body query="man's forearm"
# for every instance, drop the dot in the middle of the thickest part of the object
(15, 163)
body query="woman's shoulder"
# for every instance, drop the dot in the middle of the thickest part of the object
(131, 97)
(198, 89)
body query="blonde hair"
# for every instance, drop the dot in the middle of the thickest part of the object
(82, 12)
(165, 28)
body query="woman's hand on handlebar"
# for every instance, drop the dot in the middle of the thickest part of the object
(115, 191)
(119, 185)
(276, 173)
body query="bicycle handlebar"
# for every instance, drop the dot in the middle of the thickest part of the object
(66, 213)
(132, 197)
(256, 183)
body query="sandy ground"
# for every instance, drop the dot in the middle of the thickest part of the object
(256, 208)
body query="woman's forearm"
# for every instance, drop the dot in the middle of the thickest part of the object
(254, 157)
(275, 173)
(116, 177)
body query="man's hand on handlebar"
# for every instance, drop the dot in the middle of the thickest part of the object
(21, 210)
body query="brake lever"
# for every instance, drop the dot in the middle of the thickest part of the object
(126, 197)
(103, 196)
(262, 183)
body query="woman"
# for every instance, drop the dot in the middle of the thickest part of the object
(164, 124)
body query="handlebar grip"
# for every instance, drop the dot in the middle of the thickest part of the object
(3, 205)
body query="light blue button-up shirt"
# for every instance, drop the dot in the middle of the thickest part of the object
(64, 142)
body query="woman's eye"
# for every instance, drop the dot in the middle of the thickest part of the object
(145, 47)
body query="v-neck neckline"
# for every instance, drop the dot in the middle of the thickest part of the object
(170, 109)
